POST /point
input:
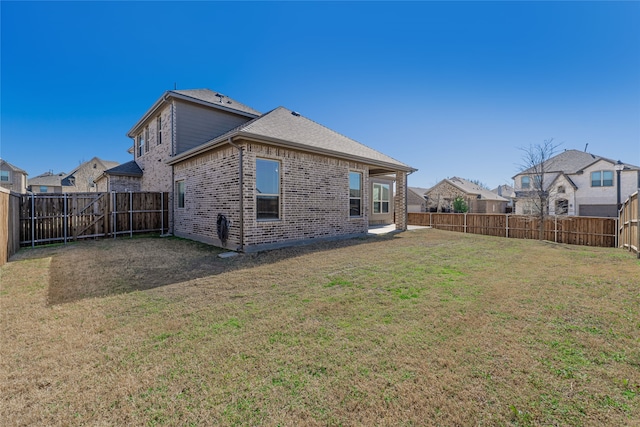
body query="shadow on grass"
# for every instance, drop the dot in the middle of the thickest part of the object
(100, 268)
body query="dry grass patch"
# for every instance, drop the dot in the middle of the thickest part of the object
(424, 327)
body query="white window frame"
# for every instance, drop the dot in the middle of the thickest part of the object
(5, 176)
(522, 182)
(602, 180)
(146, 137)
(380, 200)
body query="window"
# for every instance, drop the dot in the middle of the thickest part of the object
(380, 198)
(4, 176)
(44, 189)
(140, 144)
(537, 181)
(146, 138)
(562, 206)
(561, 189)
(355, 194)
(159, 130)
(180, 193)
(267, 189)
(602, 179)
(525, 182)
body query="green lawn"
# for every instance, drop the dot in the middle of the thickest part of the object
(425, 327)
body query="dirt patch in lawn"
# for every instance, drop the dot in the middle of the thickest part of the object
(107, 267)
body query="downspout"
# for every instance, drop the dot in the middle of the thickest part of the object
(241, 174)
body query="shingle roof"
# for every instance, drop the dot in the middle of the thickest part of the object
(217, 98)
(48, 178)
(7, 165)
(471, 188)
(419, 190)
(573, 161)
(285, 127)
(126, 169)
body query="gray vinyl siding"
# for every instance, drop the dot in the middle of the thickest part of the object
(196, 125)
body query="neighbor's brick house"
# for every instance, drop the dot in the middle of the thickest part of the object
(440, 197)
(279, 178)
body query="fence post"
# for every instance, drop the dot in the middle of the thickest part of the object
(161, 213)
(465, 222)
(114, 217)
(555, 226)
(507, 227)
(33, 221)
(130, 214)
(64, 218)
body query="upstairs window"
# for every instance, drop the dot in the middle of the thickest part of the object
(267, 189)
(159, 130)
(140, 144)
(146, 138)
(4, 176)
(602, 179)
(380, 198)
(44, 189)
(561, 189)
(355, 194)
(525, 182)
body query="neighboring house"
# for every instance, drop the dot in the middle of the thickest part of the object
(80, 180)
(416, 201)
(440, 197)
(12, 178)
(250, 181)
(508, 193)
(578, 183)
(124, 177)
(47, 182)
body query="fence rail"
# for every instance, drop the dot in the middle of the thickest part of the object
(628, 224)
(55, 218)
(588, 231)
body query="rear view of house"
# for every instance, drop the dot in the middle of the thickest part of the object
(249, 181)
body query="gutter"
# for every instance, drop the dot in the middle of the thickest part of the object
(241, 189)
(266, 140)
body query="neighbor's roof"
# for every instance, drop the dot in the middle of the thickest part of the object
(48, 178)
(204, 97)
(419, 190)
(471, 188)
(573, 161)
(126, 169)
(107, 164)
(6, 165)
(504, 190)
(287, 128)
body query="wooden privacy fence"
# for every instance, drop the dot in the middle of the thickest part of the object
(9, 219)
(628, 231)
(54, 218)
(588, 231)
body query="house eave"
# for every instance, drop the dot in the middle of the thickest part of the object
(288, 144)
(170, 94)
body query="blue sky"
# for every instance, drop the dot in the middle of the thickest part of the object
(452, 89)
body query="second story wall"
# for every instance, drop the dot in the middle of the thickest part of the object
(151, 156)
(196, 124)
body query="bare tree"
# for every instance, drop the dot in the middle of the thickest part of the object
(534, 164)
